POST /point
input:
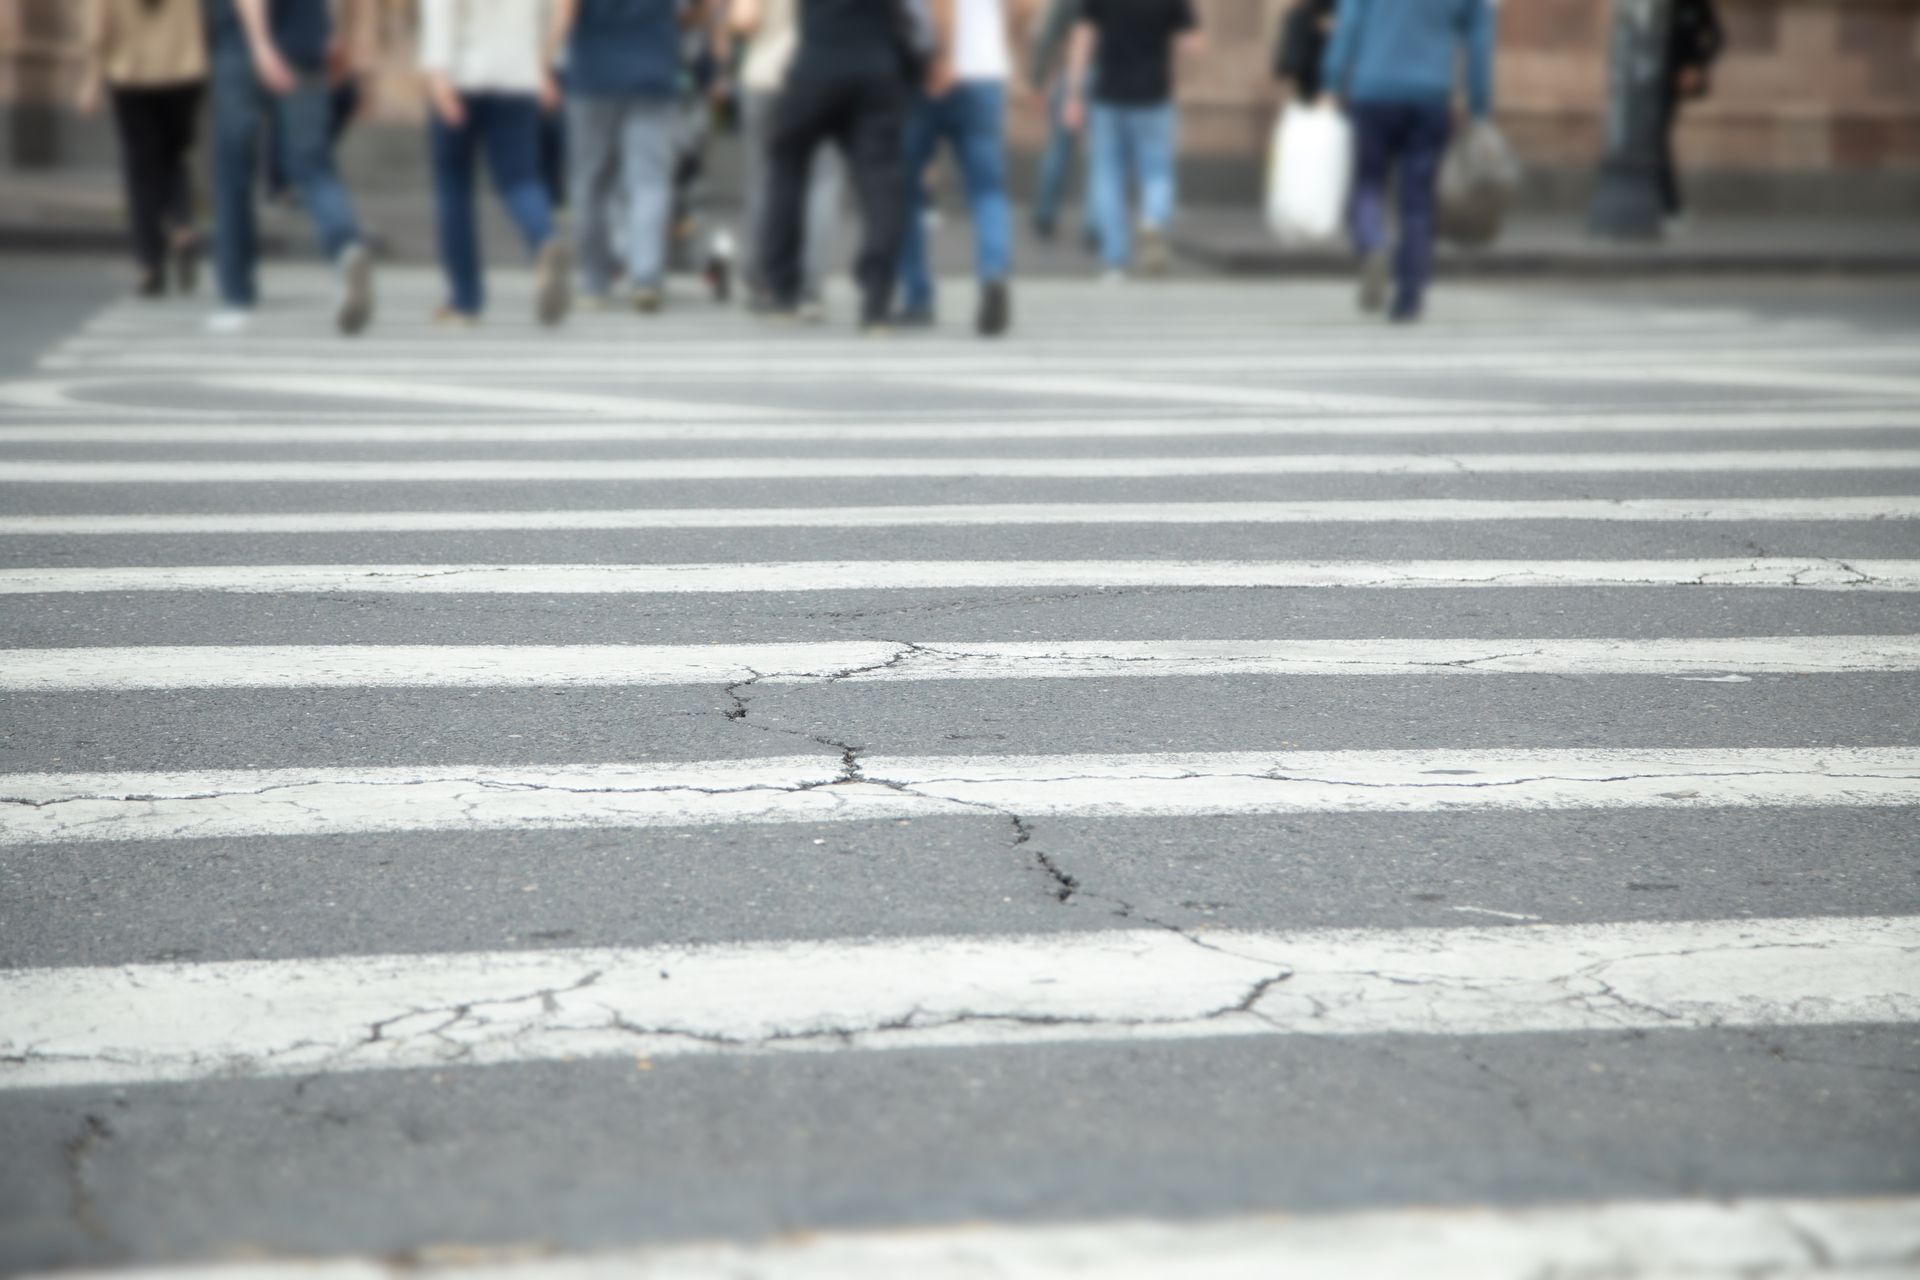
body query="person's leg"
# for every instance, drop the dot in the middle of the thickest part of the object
(452, 155)
(647, 158)
(510, 132)
(1423, 146)
(1106, 142)
(803, 116)
(591, 160)
(756, 178)
(137, 117)
(1056, 159)
(926, 124)
(1668, 170)
(307, 153)
(236, 122)
(181, 116)
(981, 113)
(1155, 137)
(874, 136)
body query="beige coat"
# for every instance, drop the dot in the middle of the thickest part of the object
(136, 45)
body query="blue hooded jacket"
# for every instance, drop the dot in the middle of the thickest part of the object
(1409, 51)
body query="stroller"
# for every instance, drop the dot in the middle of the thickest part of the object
(694, 249)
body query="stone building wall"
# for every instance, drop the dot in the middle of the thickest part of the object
(1816, 103)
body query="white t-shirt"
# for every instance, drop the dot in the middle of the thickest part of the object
(980, 40)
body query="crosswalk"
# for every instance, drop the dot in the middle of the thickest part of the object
(1200, 789)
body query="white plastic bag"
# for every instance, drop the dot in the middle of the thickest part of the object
(1476, 180)
(1309, 173)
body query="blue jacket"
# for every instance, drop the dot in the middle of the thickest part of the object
(1408, 51)
(625, 49)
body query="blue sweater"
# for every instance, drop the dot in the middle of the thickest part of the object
(1408, 51)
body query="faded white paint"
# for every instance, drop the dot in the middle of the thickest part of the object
(494, 666)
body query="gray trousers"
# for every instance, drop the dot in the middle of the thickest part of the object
(758, 112)
(623, 144)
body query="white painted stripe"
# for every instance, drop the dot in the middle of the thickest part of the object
(986, 575)
(1384, 511)
(522, 471)
(497, 666)
(331, 383)
(48, 807)
(163, 1022)
(1611, 1240)
(918, 428)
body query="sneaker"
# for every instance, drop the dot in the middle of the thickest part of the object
(812, 310)
(593, 301)
(553, 282)
(1374, 281)
(447, 316)
(1156, 257)
(876, 329)
(648, 299)
(353, 307)
(229, 320)
(996, 309)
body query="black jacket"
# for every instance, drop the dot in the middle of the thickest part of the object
(1695, 38)
(1303, 42)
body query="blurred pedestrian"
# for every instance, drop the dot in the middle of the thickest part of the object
(1694, 43)
(848, 85)
(344, 101)
(1060, 156)
(150, 56)
(771, 32)
(623, 74)
(282, 57)
(964, 106)
(1302, 47)
(1133, 128)
(488, 68)
(1394, 64)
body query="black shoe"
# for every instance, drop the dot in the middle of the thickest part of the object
(996, 309)
(186, 264)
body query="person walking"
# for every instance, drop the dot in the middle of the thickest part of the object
(770, 30)
(281, 57)
(1046, 72)
(1694, 43)
(488, 80)
(151, 57)
(1301, 49)
(848, 85)
(967, 109)
(1132, 124)
(623, 73)
(1393, 63)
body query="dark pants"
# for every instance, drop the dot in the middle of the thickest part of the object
(156, 132)
(1668, 173)
(343, 104)
(507, 127)
(1410, 138)
(865, 115)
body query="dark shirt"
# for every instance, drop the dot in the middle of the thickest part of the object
(1133, 65)
(1696, 37)
(301, 29)
(1303, 45)
(850, 38)
(625, 48)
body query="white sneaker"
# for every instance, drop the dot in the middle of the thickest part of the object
(353, 306)
(229, 320)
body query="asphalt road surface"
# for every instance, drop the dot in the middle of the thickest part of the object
(1209, 785)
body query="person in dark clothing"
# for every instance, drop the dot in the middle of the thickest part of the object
(1302, 47)
(848, 85)
(1694, 42)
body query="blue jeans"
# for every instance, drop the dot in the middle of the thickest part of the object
(971, 119)
(1057, 163)
(302, 119)
(629, 142)
(1134, 143)
(507, 125)
(1412, 137)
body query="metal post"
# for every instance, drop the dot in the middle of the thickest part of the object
(1626, 202)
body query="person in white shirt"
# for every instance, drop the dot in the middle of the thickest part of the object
(965, 106)
(486, 65)
(771, 32)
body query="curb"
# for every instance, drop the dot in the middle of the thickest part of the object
(1598, 261)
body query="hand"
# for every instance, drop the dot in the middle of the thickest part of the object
(550, 96)
(940, 77)
(1691, 82)
(446, 102)
(273, 70)
(339, 62)
(1074, 113)
(87, 101)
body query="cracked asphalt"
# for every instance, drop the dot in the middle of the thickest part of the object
(745, 1142)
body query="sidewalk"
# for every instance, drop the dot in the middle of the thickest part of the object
(79, 211)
